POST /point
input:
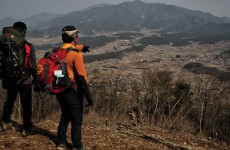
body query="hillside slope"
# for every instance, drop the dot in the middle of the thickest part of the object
(98, 135)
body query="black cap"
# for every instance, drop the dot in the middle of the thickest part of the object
(20, 25)
(70, 30)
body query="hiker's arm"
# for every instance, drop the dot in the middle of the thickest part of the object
(81, 79)
(33, 62)
(82, 48)
(85, 88)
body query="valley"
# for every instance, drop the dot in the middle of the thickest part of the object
(126, 41)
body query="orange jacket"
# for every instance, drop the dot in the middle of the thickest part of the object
(75, 59)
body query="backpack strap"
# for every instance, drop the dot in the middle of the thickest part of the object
(72, 49)
(27, 56)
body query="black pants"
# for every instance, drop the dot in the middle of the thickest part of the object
(25, 92)
(71, 104)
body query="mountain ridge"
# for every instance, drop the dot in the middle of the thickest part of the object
(131, 16)
(134, 16)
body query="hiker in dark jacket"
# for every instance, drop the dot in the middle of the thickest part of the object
(71, 100)
(21, 85)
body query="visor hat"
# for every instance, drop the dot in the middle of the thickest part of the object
(70, 31)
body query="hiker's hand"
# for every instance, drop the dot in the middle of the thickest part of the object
(85, 49)
(36, 87)
(74, 85)
(90, 102)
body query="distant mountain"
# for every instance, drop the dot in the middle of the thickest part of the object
(96, 6)
(42, 17)
(226, 19)
(6, 22)
(134, 16)
(31, 21)
(131, 16)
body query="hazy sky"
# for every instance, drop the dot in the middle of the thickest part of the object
(25, 8)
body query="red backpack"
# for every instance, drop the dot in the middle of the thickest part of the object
(52, 73)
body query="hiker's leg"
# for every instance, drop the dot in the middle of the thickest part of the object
(64, 121)
(12, 92)
(25, 92)
(76, 118)
(76, 124)
(62, 128)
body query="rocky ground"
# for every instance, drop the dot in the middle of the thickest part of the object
(101, 135)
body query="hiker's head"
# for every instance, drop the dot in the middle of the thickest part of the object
(69, 34)
(21, 26)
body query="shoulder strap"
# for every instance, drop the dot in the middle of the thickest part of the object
(27, 49)
(72, 49)
(27, 56)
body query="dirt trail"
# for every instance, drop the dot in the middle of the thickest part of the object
(96, 136)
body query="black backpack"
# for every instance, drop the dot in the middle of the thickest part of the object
(12, 52)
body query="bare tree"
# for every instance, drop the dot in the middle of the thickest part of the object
(157, 93)
(205, 87)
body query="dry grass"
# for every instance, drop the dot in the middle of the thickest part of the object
(113, 132)
(98, 136)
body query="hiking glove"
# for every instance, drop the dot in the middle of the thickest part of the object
(85, 49)
(74, 86)
(36, 87)
(90, 102)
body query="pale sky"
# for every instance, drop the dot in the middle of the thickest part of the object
(19, 9)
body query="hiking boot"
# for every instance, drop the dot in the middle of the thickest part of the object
(6, 126)
(62, 147)
(82, 148)
(29, 131)
(25, 133)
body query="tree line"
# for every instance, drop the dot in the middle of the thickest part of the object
(200, 106)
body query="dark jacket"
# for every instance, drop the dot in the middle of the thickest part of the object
(29, 74)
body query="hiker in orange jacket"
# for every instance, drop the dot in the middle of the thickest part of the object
(71, 100)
